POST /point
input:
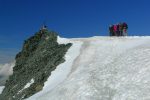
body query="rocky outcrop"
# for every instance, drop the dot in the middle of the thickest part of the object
(41, 54)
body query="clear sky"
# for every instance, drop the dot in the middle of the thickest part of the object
(19, 19)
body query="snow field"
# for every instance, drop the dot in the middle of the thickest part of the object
(105, 68)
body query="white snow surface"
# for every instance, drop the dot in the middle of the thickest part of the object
(101, 68)
(1, 89)
(29, 84)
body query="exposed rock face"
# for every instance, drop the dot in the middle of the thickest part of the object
(40, 55)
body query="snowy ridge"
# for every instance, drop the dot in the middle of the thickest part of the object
(62, 71)
(101, 68)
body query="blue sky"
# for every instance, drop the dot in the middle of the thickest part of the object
(19, 19)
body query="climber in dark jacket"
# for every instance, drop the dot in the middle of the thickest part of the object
(120, 29)
(118, 32)
(111, 30)
(125, 27)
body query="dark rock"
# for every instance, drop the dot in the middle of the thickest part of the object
(40, 55)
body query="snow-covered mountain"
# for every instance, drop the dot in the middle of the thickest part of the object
(101, 68)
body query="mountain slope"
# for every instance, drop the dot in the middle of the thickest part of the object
(40, 55)
(107, 68)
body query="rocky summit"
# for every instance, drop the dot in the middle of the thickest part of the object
(40, 55)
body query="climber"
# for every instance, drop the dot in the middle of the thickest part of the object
(118, 32)
(115, 30)
(120, 29)
(111, 33)
(125, 27)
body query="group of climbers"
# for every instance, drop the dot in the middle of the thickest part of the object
(114, 30)
(118, 29)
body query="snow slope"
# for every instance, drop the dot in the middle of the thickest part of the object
(101, 68)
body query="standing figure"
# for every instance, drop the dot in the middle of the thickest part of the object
(118, 32)
(125, 27)
(121, 29)
(111, 30)
(115, 30)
